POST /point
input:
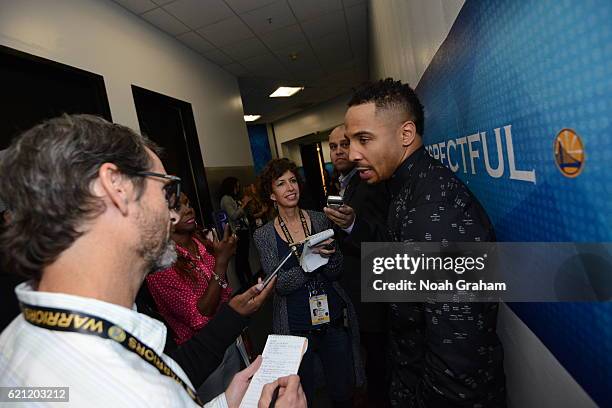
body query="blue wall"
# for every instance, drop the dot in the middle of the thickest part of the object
(531, 69)
(260, 146)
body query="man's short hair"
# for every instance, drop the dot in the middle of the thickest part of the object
(47, 176)
(390, 94)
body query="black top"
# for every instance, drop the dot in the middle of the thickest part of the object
(429, 203)
(298, 306)
(370, 202)
(9, 305)
(201, 354)
(442, 354)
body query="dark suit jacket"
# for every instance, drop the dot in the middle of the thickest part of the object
(370, 203)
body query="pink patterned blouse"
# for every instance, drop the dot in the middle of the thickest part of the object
(177, 297)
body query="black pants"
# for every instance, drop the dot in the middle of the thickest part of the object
(374, 345)
(334, 350)
(243, 268)
(445, 355)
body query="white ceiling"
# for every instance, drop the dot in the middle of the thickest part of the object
(254, 39)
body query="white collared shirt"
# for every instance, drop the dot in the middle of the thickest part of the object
(99, 372)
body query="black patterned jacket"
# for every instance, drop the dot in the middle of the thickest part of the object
(442, 354)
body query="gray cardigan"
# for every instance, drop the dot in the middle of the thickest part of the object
(234, 212)
(289, 280)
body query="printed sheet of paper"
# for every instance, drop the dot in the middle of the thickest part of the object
(281, 357)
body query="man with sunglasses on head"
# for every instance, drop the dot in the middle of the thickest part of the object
(92, 208)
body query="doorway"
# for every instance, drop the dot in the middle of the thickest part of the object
(169, 122)
(35, 89)
(317, 179)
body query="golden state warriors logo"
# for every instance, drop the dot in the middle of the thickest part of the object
(569, 153)
(116, 333)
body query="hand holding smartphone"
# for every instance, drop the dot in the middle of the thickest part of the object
(335, 202)
(221, 220)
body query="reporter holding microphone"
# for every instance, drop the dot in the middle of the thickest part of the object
(311, 305)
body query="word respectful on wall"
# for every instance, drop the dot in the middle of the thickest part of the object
(462, 153)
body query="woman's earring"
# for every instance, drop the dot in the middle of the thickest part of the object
(275, 206)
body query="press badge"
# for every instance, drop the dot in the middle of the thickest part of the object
(319, 309)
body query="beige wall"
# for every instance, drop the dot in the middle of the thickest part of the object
(215, 176)
(101, 37)
(291, 149)
(293, 152)
(319, 118)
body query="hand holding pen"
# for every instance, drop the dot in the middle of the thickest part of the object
(288, 392)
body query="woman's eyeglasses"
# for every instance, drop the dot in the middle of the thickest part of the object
(172, 189)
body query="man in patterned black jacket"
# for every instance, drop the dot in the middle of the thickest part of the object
(442, 354)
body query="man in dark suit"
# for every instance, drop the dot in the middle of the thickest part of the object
(369, 202)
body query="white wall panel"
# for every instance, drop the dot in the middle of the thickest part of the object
(104, 38)
(405, 35)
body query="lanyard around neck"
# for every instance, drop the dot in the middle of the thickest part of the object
(83, 323)
(288, 236)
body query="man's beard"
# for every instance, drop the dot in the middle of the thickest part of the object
(156, 248)
(164, 260)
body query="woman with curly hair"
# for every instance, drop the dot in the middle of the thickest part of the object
(311, 305)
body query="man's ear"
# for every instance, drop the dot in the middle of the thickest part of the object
(115, 186)
(408, 133)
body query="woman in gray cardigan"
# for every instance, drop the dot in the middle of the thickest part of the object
(311, 305)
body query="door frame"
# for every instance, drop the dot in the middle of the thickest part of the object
(194, 154)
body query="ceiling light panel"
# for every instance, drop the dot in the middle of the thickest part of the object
(286, 91)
